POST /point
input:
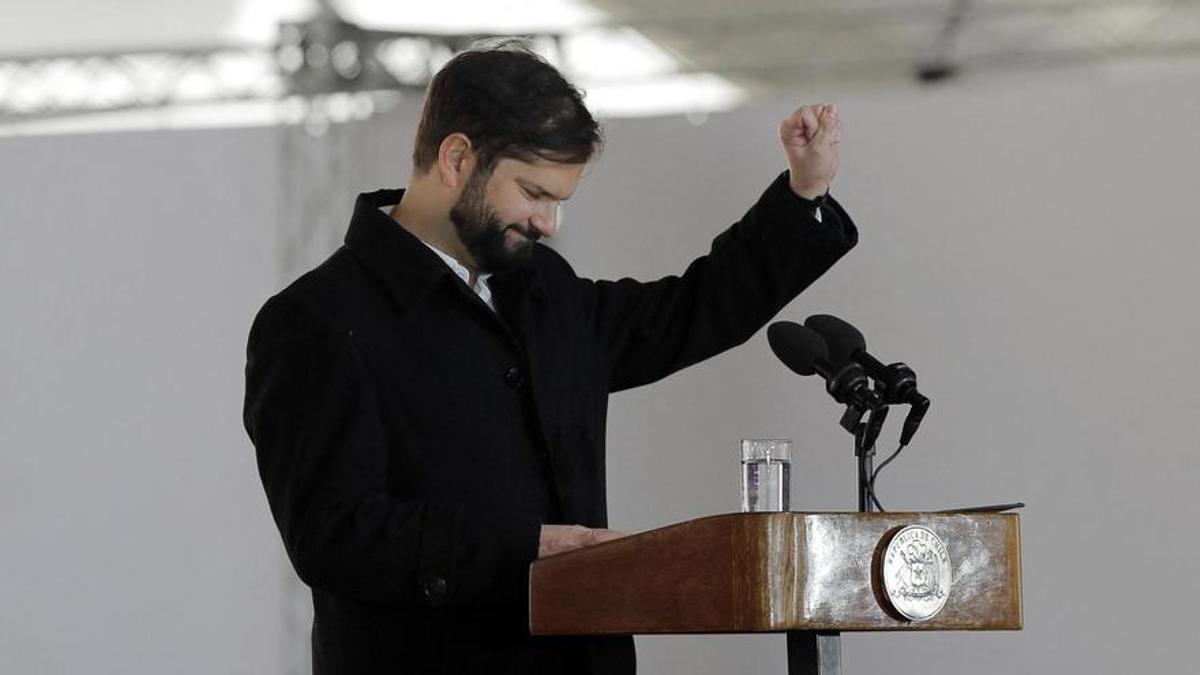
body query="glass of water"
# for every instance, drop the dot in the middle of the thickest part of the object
(766, 474)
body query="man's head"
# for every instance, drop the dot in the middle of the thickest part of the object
(506, 137)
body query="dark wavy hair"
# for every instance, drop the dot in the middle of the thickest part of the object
(511, 104)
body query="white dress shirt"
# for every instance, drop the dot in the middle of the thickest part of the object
(481, 287)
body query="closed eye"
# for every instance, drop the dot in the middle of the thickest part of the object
(535, 193)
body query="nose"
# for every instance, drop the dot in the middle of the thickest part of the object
(544, 220)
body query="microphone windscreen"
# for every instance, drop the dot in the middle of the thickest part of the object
(798, 347)
(842, 339)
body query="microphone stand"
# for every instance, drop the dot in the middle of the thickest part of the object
(865, 434)
(864, 450)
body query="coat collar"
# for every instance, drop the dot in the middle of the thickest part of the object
(406, 266)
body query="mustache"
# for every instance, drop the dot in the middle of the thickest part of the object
(530, 234)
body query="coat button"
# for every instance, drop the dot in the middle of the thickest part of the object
(435, 590)
(513, 377)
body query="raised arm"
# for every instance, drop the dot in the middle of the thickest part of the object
(791, 236)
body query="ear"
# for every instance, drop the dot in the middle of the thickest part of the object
(455, 160)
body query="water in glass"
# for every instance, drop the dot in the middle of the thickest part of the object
(766, 484)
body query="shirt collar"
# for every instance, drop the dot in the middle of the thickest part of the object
(457, 267)
(481, 287)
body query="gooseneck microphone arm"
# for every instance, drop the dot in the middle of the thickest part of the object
(849, 385)
(899, 385)
(916, 413)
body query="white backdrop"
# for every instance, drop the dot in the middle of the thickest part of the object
(1027, 245)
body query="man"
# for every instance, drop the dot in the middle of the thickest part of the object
(428, 405)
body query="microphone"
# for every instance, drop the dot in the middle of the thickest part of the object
(898, 381)
(805, 352)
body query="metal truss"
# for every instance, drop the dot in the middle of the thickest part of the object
(312, 60)
(44, 86)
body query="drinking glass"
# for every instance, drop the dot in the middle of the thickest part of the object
(766, 474)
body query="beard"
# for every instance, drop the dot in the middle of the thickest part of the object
(484, 236)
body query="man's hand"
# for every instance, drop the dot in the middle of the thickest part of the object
(562, 538)
(810, 138)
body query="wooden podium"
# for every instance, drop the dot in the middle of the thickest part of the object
(810, 575)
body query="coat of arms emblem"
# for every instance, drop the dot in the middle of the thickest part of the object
(916, 573)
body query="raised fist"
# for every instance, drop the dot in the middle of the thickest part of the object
(810, 137)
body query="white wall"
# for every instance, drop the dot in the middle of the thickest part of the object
(1027, 246)
(134, 539)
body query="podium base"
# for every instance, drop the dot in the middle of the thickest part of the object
(814, 652)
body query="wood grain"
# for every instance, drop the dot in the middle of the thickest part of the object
(774, 572)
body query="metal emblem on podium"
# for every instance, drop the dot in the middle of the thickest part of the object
(916, 573)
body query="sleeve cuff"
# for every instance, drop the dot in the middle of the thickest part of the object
(809, 205)
(789, 213)
(473, 556)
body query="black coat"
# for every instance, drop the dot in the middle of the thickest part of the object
(412, 442)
